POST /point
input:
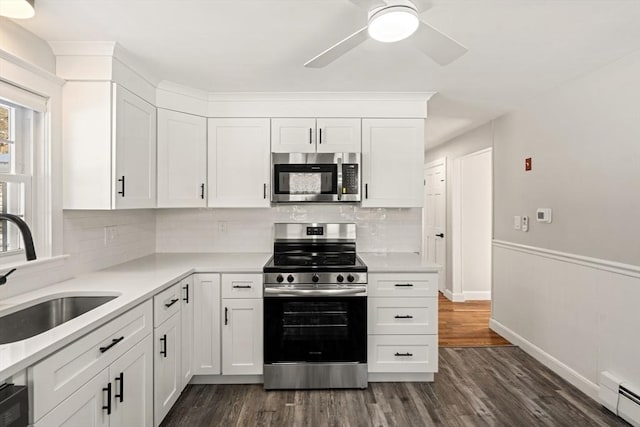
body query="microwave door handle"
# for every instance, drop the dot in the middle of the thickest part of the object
(339, 178)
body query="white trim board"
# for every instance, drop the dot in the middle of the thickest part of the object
(453, 297)
(597, 263)
(564, 371)
(476, 295)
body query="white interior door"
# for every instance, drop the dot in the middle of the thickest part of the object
(434, 216)
(473, 226)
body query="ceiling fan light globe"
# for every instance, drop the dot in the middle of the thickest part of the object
(393, 23)
(17, 9)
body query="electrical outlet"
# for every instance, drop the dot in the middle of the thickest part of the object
(110, 234)
(517, 222)
(222, 227)
(525, 223)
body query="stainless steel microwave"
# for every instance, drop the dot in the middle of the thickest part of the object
(315, 177)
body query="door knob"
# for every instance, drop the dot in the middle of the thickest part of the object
(440, 235)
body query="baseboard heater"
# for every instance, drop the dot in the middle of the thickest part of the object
(620, 398)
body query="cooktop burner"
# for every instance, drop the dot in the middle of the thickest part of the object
(314, 254)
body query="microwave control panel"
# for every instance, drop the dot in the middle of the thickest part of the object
(350, 184)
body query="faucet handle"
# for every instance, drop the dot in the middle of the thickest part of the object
(3, 278)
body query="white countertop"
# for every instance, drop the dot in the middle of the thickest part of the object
(397, 262)
(133, 282)
(136, 281)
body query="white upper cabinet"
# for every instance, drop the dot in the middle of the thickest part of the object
(239, 163)
(109, 147)
(392, 162)
(293, 135)
(182, 160)
(302, 135)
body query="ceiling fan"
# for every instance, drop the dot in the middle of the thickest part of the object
(391, 21)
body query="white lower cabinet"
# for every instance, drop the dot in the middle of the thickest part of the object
(166, 366)
(242, 337)
(120, 395)
(186, 331)
(402, 325)
(206, 327)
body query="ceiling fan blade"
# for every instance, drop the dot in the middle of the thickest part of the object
(436, 45)
(368, 4)
(338, 49)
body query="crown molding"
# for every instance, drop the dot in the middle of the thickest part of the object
(319, 96)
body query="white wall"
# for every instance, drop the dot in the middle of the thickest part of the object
(251, 230)
(475, 140)
(569, 291)
(89, 250)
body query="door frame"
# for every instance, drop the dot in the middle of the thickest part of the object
(442, 161)
(457, 292)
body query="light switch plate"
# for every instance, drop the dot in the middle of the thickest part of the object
(517, 222)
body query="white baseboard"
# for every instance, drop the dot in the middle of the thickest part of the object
(583, 384)
(453, 297)
(226, 379)
(476, 295)
(377, 377)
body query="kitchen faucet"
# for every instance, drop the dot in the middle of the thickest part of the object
(29, 249)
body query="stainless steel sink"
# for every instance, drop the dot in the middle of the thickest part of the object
(39, 318)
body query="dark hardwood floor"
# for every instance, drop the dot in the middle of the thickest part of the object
(466, 324)
(492, 386)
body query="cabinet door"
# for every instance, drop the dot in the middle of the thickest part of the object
(186, 336)
(132, 382)
(182, 160)
(239, 163)
(135, 151)
(84, 408)
(206, 348)
(293, 135)
(392, 162)
(166, 367)
(242, 337)
(339, 136)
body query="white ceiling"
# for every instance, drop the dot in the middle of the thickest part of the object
(518, 49)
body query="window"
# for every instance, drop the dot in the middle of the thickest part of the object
(17, 129)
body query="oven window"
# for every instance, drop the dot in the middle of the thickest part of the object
(315, 329)
(306, 179)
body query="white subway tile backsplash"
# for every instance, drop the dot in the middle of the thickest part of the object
(251, 230)
(90, 248)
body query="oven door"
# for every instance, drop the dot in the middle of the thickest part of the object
(315, 329)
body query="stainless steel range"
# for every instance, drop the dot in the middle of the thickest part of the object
(315, 309)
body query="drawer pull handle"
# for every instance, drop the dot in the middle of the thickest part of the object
(108, 405)
(408, 316)
(407, 354)
(186, 289)
(404, 285)
(173, 301)
(114, 341)
(163, 350)
(121, 394)
(242, 286)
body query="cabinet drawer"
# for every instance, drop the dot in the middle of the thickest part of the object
(403, 285)
(242, 286)
(65, 371)
(166, 304)
(405, 316)
(403, 353)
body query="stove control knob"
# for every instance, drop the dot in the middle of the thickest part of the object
(315, 278)
(340, 278)
(289, 278)
(350, 278)
(279, 278)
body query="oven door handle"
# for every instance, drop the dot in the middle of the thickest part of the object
(281, 292)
